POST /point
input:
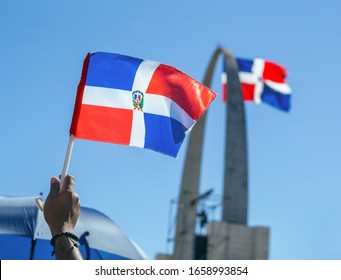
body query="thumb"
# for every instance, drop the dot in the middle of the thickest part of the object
(54, 186)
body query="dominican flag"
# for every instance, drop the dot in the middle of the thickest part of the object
(131, 101)
(261, 81)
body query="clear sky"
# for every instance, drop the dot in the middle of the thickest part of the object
(294, 158)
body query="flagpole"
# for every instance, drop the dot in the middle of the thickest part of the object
(67, 158)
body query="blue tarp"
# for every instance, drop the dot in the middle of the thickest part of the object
(24, 233)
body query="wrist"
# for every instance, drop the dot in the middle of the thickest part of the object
(61, 229)
(61, 235)
(63, 242)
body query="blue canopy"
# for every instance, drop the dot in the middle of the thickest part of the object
(24, 233)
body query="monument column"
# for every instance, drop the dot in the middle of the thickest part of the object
(235, 175)
(189, 191)
(235, 199)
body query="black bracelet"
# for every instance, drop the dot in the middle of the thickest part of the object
(70, 235)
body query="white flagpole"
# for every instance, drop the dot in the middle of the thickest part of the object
(67, 158)
(39, 202)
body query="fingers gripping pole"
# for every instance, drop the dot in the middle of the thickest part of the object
(67, 158)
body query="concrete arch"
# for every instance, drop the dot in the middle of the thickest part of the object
(235, 170)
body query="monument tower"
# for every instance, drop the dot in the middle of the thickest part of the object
(230, 238)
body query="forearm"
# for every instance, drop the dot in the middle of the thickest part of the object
(66, 249)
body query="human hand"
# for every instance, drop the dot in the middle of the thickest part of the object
(62, 207)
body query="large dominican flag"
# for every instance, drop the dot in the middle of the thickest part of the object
(136, 102)
(262, 81)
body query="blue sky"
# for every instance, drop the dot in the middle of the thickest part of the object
(293, 157)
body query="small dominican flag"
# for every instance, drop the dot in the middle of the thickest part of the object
(261, 81)
(136, 102)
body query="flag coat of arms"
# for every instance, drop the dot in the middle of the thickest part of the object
(136, 102)
(262, 81)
